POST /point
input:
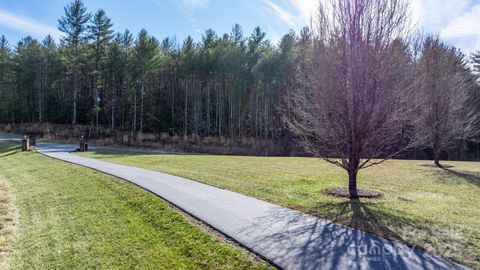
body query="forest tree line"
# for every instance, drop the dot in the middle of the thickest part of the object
(225, 85)
(231, 85)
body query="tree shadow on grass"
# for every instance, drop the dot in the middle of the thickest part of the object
(361, 215)
(449, 175)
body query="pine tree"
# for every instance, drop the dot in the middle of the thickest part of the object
(5, 78)
(52, 73)
(224, 85)
(101, 35)
(187, 70)
(145, 60)
(74, 26)
(114, 64)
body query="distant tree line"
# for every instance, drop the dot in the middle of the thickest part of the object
(232, 85)
(225, 85)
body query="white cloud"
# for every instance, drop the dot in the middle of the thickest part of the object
(27, 25)
(280, 13)
(435, 15)
(456, 21)
(294, 13)
(188, 6)
(306, 8)
(196, 3)
(273, 35)
(464, 31)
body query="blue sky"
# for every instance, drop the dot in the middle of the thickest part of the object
(456, 21)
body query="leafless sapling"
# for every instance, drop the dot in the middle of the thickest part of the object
(350, 104)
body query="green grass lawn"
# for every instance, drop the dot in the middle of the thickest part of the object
(70, 217)
(435, 209)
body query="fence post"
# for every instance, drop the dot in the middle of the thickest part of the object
(32, 140)
(82, 145)
(25, 144)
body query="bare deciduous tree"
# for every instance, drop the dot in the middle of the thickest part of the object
(351, 100)
(444, 82)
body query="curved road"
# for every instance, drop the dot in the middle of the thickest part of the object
(287, 238)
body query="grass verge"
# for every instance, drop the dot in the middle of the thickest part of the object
(8, 216)
(423, 206)
(75, 218)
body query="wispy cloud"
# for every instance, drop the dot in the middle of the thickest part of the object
(306, 9)
(27, 25)
(434, 15)
(273, 35)
(456, 21)
(294, 13)
(280, 13)
(464, 31)
(195, 3)
(188, 7)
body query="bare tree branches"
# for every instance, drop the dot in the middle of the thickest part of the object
(351, 101)
(443, 83)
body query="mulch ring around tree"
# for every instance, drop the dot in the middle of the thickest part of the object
(343, 193)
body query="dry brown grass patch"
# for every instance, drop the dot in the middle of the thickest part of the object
(8, 224)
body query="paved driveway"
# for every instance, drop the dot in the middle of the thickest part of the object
(289, 239)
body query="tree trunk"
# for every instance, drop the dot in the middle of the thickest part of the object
(207, 109)
(436, 157)
(437, 163)
(40, 97)
(74, 116)
(135, 111)
(141, 107)
(97, 96)
(352, 184)
(173, 102)
(185, 122)
(114, 99)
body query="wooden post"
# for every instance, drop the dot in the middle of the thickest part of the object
(82, 145)
(33, 140)
(25, 144)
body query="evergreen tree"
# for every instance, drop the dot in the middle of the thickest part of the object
(48, 48)
(5, 78)
(74, 26)
(226, 85)
(145, 60)
(101, 35)
(27, 67)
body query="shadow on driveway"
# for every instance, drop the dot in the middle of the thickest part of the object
(297, 241)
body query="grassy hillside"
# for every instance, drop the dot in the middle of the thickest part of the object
(70, 217)
(423, 206)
